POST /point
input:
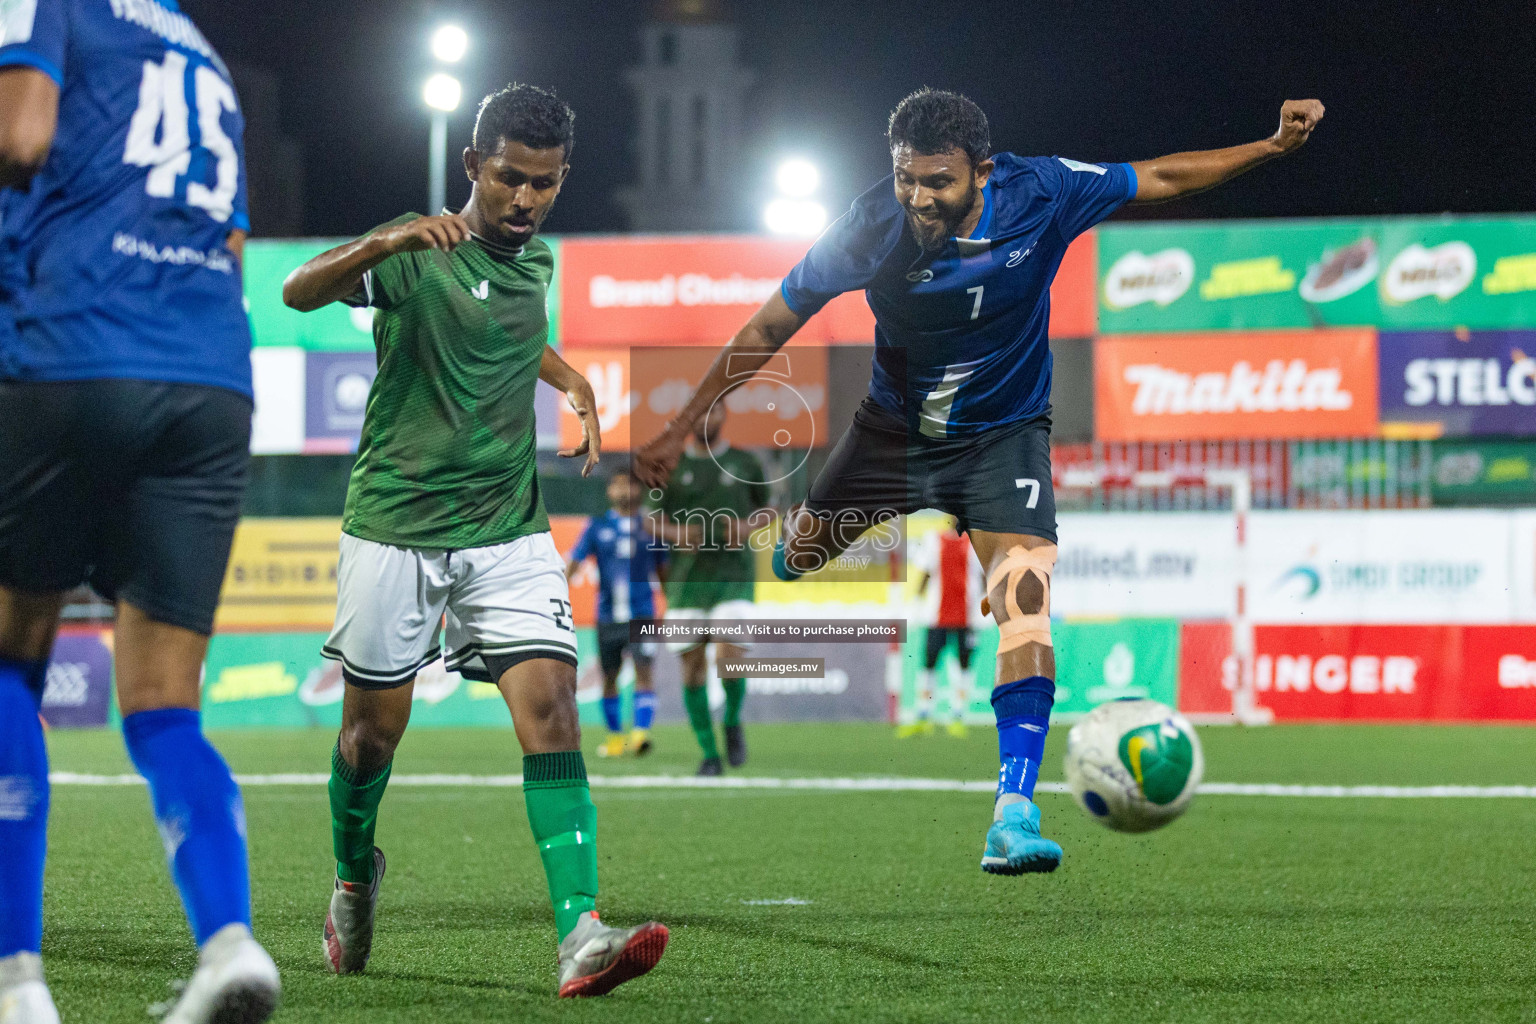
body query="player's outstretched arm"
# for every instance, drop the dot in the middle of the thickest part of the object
(30, 100)
(1184, 174)
(762, 336)
(559, 374)
(337, 273)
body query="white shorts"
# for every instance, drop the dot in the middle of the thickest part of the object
(505, 601)
(739, 610)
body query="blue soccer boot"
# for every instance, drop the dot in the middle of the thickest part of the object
(1014, 843)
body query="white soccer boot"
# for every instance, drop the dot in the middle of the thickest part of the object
(348, 937)
(235, 982)
(24, 998)
(596, 959)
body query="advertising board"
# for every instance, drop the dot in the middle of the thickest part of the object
(1273, 384)
(1460, 382)
(1393, 273)
(1389, 566)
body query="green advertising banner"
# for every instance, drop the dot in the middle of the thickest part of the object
(1484, 473)
(1406, 272)
(280, 679)
(1095, 662)
(1104, 661)
(334, 328)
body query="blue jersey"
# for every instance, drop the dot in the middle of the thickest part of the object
(960, 333)
(113, 262)
(627, 559)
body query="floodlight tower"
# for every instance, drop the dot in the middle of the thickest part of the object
(442, 93)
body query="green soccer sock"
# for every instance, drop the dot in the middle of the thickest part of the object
(696, 700)
(354, 813)
(564, 824)
(735, 693)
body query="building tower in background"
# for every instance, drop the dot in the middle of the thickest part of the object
(690, 97)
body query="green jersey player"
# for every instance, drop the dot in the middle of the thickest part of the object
(444, 519)
(714, 499)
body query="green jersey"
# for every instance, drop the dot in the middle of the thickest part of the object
(448, 446)
(702, 487)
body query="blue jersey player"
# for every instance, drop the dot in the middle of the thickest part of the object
(125, 417)
(628, 559)
(955, 252)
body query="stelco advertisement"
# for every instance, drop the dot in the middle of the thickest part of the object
(1462, 382)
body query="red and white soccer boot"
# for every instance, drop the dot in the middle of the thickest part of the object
(349, 923)
(595, 959)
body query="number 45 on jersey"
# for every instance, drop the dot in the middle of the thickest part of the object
(160, 134)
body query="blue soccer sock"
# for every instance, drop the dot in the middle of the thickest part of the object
(645, 708)
(23, 806)
(611, 714)
(1023, 712)
(200, 815)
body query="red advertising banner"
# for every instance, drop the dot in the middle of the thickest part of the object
(1280, 384)
(782, 407)
(700, 289)
(1204, 648)
(1369, 673)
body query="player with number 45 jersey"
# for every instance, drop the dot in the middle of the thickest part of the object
(125, 420)
(956, 252)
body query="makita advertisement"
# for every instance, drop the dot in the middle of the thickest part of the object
(1282, 384)
(1464, 382)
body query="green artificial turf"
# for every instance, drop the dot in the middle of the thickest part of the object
(1247, 909)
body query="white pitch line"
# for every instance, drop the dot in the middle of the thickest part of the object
(840, 785)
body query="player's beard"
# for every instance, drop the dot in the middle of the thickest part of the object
(932, 235)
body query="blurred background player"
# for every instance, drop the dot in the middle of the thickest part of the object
(444, 515)
(956, 252)
(713, 500)
(125, 420)
(949, 585)
(627, 558)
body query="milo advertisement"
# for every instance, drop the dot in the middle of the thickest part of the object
(280, 679)
(1403, 272)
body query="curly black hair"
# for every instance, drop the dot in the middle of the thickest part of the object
(524, 113)
(935, 121)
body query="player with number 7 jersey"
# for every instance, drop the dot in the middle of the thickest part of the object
(956, 252)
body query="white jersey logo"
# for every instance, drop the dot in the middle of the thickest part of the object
(1078, 165)
(481, 291)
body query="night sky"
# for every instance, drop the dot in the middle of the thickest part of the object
(1431, 107)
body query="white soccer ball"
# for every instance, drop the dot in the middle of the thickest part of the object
(1133, 765)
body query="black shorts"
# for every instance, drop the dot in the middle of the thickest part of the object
(131, 486)
(998, 480)
(612, 641)
(939, 637)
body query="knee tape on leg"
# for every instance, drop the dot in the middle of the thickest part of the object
(1017, 576)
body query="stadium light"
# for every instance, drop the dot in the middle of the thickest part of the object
(442, 92)
(797, 178)
(802, 217)
(450, 43)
